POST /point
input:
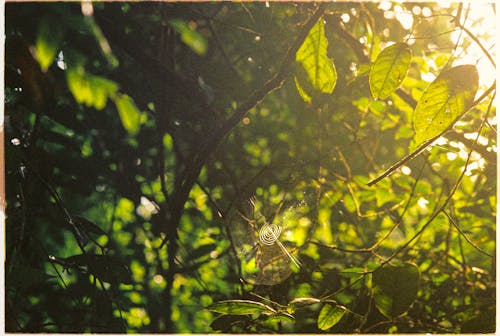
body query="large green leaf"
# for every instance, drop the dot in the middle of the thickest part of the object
(129, 113)
(312, 54)
(88, 89)
(395, 288)
(444, 101)
(330, 316)
(240, 307)
(389, 70)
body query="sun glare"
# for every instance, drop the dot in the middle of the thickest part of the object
(475, 43)
(481, 22)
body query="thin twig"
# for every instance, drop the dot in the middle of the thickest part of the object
(454, 223)
(161, 173)
(223, 52)
(57, 198)
(480, 45)
(116, 304)
(407, 206)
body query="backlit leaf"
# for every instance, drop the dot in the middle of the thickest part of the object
(444, 101)
(389, 70)
(312, 54)
(330, 316)
(102, 88)
(47, 43)
(93, 91)
(129, 113)
(240, 307)
(303, 94)
(395, 288)
(189, 36)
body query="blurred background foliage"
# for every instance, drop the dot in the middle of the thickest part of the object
(136, 131)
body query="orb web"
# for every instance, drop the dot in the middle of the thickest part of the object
(269, 233)
(265, 245)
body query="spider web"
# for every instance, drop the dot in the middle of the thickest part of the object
(264, 245)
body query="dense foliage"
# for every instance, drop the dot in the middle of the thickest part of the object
(249, 167)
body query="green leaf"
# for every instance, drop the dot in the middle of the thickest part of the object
(312, 54)
(444, 101)
(281, 317)
(83, 228)
(301, 302)
(129, 113)
(78, 84)
(483, 322)
(240, 307)
(383, 196)
(303, 94)
(87, 225)
(353, 271)
(102, 89)
(330, 316)
(189, 36)
(93, 91)
(47, 43)
(225, 322)
(363, 69)
(168, 142)
(395, 288)
(389, 70)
